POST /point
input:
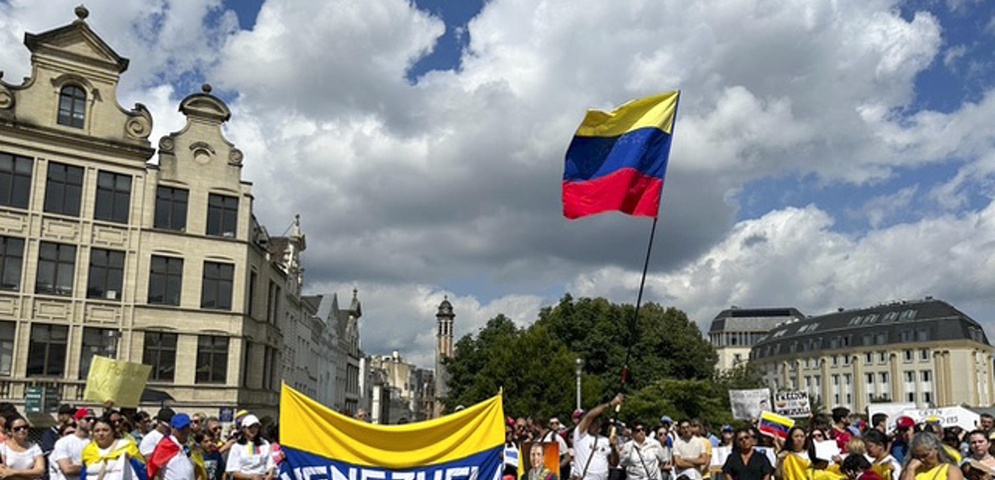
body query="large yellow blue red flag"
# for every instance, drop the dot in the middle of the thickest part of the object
(617, 160)
(320, 444)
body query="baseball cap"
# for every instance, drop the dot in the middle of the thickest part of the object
(578, 413)
(934, 420)
(904, 423)
(666, 419)
(67, 409)
(165, 414)
(83, 413)
(727, 428)
(249, 421)
(180, 421)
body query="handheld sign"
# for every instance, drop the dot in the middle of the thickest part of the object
(116, 381)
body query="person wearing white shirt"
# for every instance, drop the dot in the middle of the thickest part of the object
(252, 457)
(642, 456)
(66, 460)
(22, 459)
(178, 466)
(151, 439)
(593, 451)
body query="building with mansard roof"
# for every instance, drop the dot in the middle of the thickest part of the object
(924, 352)
(110, 247)
(734, 331)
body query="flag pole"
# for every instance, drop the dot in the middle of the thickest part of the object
(633, 323)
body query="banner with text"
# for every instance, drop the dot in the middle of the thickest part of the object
(747, 404)
(792, 404)
(322, 444)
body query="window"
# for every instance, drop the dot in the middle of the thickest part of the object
(907, 355)
(63, 189)
(922, 335)
(246, 355)
(910, 397)
(884, 377)
(924, 354)
(846, 359)
(868, 358)
(222, 215)
(72, 106)
(910, 377)
(47, 350)
(56, 267)
(882, 357)
(11, 260)
(881, 338)
(836, 379)
(160, 352)
(212, 359)
(171, 208)
(106, 274)
(905, 336)
(867, 339)
(927, 398)
(217, 286)
(113, 197)
(165, 280)
(870, 378)
(96, 341)
(253, 278)
(925, 375)
(836, 360)
(15, 180)
(273, 303)
(7, 348)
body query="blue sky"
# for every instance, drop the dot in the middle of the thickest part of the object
(827, 153)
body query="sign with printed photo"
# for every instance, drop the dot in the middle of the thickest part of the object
(792, 404)
(748, 404)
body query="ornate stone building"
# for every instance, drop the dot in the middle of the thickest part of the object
(104, 252)
(444, 349)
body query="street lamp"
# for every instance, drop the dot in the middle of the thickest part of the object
(580, 366)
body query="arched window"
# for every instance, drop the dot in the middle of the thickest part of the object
(72, 106)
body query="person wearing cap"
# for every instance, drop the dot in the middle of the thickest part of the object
(903, 436)
(169, 460)
(66, 459)
(251, 458)
(162, 428)
(63, 418)
(592, 451)
(726, 439)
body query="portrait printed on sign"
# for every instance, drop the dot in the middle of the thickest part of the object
(542, 461)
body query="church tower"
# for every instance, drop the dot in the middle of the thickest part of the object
(444, 348)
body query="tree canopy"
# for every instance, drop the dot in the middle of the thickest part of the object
(672, 367)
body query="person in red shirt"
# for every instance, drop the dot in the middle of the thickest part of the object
(840, 433)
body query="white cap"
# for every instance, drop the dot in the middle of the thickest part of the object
(249, 420)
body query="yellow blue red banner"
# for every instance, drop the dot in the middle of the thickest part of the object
(321, 444)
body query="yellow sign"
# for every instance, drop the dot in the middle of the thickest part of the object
(116, 381)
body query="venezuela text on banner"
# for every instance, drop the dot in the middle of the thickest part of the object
(323, 445)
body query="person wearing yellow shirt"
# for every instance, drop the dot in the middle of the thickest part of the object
(930, 461)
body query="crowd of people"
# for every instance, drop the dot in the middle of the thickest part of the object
(169, 446)
(840, 446)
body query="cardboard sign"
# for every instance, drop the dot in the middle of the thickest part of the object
(748, 404)
(792, 404)
(116, 381)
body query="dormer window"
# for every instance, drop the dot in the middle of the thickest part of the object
(72, 106)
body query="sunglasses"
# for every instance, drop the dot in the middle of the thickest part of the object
(216, 429)
(640, 429)
(89, 419)
(22, 428)
(196, 421)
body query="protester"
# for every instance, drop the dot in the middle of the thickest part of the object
(66, 460)
(214, 462)
(143, 423)
(63, 417)
(903, 436)
(22, 460)
(593, 451)
(979, 445)
(881, 461)
(745, 463)
(928, 460)
(169, 461)
(857, 467)
(197, 423)
(550, 434)
(986, 423)
(700, 432)
(728, 436)
(879, 422)
(840, 432)
(511, 454)
(101, 456)
(642, 456)
(793, 459)
(251, 458)
(689, 453)
(974, 470)
(162, 428)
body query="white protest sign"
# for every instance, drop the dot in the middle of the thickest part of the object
(892, 410)
(792, 404)
(947, 416)
(747, 404)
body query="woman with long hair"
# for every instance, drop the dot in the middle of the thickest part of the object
(928, 460)
(22, 460)
(104, 454)
(252, 457)
(793, 459)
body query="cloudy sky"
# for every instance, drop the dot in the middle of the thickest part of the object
(826, 154)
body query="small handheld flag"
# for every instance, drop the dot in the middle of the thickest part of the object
(775, 425)
(617, 160)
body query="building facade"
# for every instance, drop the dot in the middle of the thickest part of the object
(342, 367)
(734, 331)
(405, 393)
(924, 352)
(103, 251)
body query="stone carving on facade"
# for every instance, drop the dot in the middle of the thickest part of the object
(139, 124)
(166, 144)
